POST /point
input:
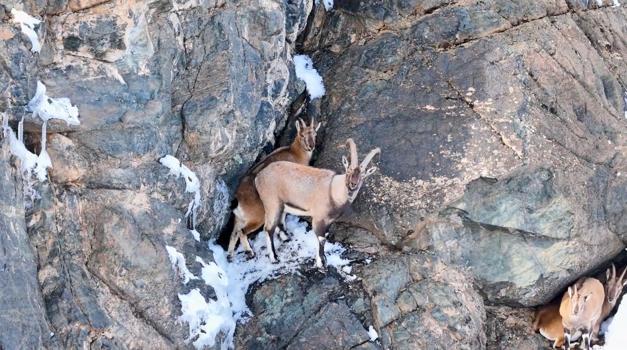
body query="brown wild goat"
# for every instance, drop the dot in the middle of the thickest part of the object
(581, 308)
(249, 213)
(307, 191)
(548, 322)
(613, 290)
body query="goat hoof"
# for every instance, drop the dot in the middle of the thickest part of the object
(229, 258)
(250, 255)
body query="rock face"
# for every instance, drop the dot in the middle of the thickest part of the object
(502, 130)
(207, 82)
(502, 176)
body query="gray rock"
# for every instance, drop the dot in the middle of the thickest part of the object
(22, 309)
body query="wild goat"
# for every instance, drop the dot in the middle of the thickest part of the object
(613, 290)
(306, 191)
(581, 308)
(548, 322)
(249, 213)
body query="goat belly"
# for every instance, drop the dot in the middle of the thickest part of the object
(296, 210)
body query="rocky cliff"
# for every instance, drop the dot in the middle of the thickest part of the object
(502, 178)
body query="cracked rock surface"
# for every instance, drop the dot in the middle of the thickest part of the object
(502, 177)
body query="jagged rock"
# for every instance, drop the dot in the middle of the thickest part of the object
(419, 302)
(508, 328)
(206, 81)
(23, 318)
(486, 108)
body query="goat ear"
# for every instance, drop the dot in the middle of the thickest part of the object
(570, 292)
(318, 127)
(370, 171)
(297, 126)
(345, 163)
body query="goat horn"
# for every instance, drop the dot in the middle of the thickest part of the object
(353, 152)
(302, 122)
(613, 271)
(312, 122)
(622, 275)
(366, 161)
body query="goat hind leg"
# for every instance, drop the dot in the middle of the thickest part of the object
(270, 227)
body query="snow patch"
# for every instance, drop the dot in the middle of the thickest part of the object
(192, 184)
(209, 320)
(616, 3)
(373, 333)
(206, 319)
(615, 336)
(27, 24)
(178, 264)
(195, 234)
(328, 4)
(306, 72)
(46, 107)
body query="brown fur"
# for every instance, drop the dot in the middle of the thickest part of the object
(548, 322)
(581, 308)
(249, 214)
(613, 289)
(306, 191)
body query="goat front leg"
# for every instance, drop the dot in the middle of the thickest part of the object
(320, 228)
(585, 336)
(567, 338)
(270, 227)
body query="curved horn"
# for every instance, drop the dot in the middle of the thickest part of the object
(302, 122)
(366, 161)
(622, 275)
(312, 122)
(613, 271)
(353, 152)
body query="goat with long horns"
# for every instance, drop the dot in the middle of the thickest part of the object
(307, 191)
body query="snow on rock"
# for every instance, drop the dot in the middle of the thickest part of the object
(195, 234)
(210, 319)
(206, 319)
(373, 333)
(178, 264)
(46, 107)
(27, 24)
(192, 184)
(616, 336)
(328, 4)
(306, 72)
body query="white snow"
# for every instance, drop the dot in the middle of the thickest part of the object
(616, 336)
(616, 3)
(192, 184)
(206, 319)
(306, 72)
(328, 4)
(27, 24)
(178, 264)
(231, 281)
(48, 108)
(195, 234)
(373, 333)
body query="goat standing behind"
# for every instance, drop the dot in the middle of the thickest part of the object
(613, 290)
(249, 213)
(307, 191)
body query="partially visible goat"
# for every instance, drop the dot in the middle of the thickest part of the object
(613, 290)
(249, 213)
(581, 308)
(306, 191)
(548, 322)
